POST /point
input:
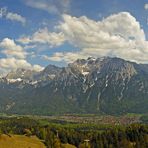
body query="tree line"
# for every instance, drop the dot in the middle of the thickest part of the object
(56, 134)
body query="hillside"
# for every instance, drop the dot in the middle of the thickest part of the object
(20, 141)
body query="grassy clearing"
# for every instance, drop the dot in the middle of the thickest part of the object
(20, 141)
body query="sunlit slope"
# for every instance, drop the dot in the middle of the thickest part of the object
(20, 141)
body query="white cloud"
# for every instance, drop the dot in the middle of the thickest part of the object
(15, 17)
(117, 35)
(67, 57)
(10, 49)
(12, 16)
(8, 64)
(25, 40)
(15, 57)
(50, 6)
(43, 36)
(146, 6)
(3, 12)
(43, 5)
(12, 63)
(37, 67)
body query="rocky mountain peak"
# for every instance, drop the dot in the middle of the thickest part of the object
(92, 85)
(51, 69)
(21, 73)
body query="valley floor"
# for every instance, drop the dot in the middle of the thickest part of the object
(71, 131)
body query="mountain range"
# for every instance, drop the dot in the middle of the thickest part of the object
(90, 86)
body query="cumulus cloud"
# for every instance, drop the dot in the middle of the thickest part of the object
(37, 67)
(15, 57)
(11, 49)
(43, 36)
(8, 64)
(11, 16)
(146, 6)
(12, 63)
(66, 57)
(117, 35)
(50, 6)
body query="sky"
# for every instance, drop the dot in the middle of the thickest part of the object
(35, 33)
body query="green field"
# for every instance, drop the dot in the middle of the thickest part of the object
(71, 131)
(20, 141)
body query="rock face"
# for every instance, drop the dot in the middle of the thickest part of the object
(102, 85)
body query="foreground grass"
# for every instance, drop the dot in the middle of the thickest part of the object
(20, 141)
(68, 146)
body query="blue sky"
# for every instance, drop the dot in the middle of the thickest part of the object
(35, 33)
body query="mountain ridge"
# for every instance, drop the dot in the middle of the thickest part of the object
(94, 85)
